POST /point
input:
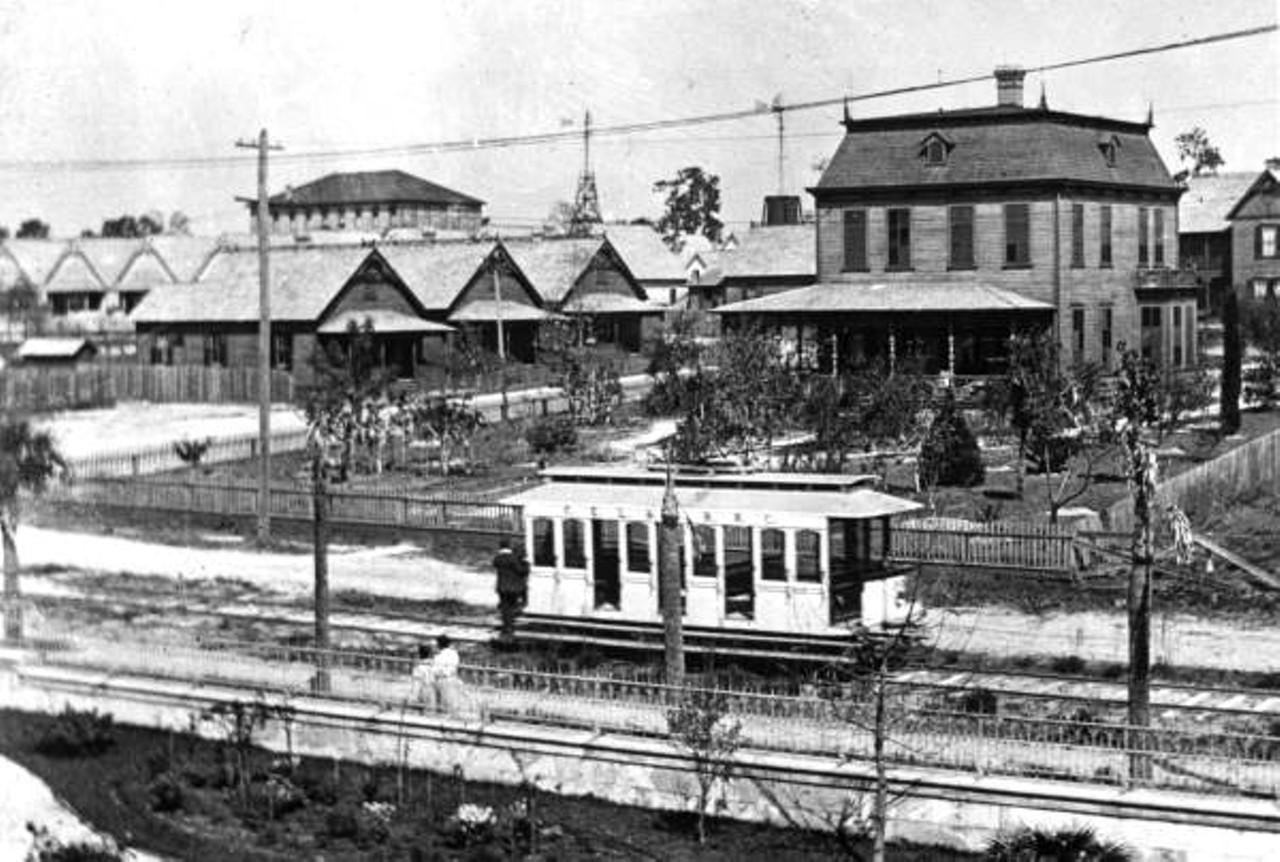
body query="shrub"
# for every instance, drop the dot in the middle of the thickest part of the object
(1079, 843)
(949, 455)
(165, 793)
(46, 848)
(1068, 664)
(551, 434)
(278, 796)
(979, 701)
(76, 733)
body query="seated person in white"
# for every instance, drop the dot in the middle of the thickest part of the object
(423, 689)
(448, 688)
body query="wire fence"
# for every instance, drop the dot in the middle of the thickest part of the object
(160, 458)
(1082, 750)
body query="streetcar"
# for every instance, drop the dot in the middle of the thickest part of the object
(766, 557)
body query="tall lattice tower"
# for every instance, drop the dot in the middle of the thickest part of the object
(586, 202)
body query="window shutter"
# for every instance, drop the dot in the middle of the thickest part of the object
(855, 240)
(1257, 242)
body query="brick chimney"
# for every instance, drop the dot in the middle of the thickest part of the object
(1009, 86)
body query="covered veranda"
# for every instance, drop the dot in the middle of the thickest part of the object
(402, 341)
(960, 329)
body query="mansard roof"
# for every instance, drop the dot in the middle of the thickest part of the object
(996, 145)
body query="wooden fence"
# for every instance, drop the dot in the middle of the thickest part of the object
(403, 511)
(1247, 466)
(997, 545)
(32, 389)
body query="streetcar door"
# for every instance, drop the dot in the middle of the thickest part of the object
(739, 575)
(605, 570)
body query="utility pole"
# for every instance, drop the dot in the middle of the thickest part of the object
(502, 334)
(670, 584)
(263, 146)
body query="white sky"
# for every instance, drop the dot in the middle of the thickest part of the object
(137, 79)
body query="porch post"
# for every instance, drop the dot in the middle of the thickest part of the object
(893, 348)
(951, 348)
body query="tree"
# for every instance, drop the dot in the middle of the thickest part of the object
(22, 302)
(559, 218)
(701, 725)
(949, 455)
(1079, 844)
(28, 460)
(1232, 355)
(130, 227)
(4, 232)
(1053, 409)
(692, 206)
(589, 380)
(1194, 148)
(33, 228)
(179, 223)
(1260, 323)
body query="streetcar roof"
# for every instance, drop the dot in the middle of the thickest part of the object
(573, 497)
(741, 480)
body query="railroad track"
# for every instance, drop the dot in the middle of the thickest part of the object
(1169, 699)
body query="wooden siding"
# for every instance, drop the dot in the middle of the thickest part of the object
(1092, 286)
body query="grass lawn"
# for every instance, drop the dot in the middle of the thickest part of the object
(177, 795)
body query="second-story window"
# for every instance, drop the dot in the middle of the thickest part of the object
(1144, 240)
(1157, 222)
(961, 221)
(1017, 235)
(1266, 241)
(899, 239)
(1104, 235)
(855, 240)
(1077, 235)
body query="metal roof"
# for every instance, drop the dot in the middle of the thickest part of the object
(859, 503)
(843, 297)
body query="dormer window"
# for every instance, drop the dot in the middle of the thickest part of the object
(1110, 148)
(934, 149)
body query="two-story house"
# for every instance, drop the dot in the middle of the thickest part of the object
(939, 234)
(1255, 236)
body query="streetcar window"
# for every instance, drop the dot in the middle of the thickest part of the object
(704, 551)
(575, 549)
(638, 547)
(544, 542)
(773, 555)
(808, 556)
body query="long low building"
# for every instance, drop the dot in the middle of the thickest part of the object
(414, 296)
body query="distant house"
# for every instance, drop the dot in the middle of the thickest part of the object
(763, 261)
(588, 277)
(56, 352)
(1255, 236)
(1204, 234)
(940, 233)
(658, 270)
(316, 294)
(369, 201)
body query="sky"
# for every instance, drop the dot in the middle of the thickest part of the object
(133, 79)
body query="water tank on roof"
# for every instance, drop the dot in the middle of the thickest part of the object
(781, 209)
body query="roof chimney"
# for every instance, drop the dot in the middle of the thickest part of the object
(1009, 86)
(1273, 163)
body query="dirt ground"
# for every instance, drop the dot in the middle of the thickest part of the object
(137, 425)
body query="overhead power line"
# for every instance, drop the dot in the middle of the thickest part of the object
(623, 129)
